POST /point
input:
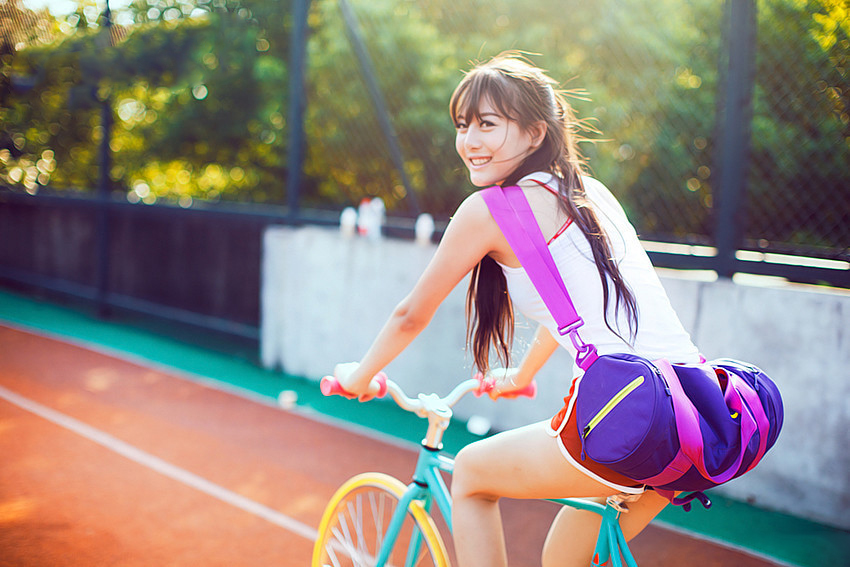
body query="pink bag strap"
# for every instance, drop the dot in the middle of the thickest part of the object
(513, 214)
(753, 407)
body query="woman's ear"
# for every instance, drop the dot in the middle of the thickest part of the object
(538, 133)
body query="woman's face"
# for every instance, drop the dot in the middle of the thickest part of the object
(491, 146)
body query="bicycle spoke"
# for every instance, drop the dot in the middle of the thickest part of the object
(345, 540)
(341, 543)
(357, 529)
(345, 543)
(378, 518)
(332, 556)
(357, 514)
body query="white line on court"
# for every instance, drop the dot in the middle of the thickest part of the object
(163, 467)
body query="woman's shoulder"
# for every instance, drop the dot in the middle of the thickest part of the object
(473, 202)
(474, 212)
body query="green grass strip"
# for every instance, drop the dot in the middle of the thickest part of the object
(789, 539)
(786, 538)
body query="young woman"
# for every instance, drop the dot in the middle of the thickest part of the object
(515, 128)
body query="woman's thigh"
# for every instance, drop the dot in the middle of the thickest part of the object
(521, 463)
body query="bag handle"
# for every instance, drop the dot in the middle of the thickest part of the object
(753, 406)
(513, 214)
(687, 423)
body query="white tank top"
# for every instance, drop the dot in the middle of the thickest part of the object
(659, 332)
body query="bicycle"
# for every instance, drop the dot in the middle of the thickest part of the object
(375, 520)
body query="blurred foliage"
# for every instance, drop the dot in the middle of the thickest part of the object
(199, 94)
(198, 91)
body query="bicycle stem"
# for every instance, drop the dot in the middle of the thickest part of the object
(438, 410)
(439, 416)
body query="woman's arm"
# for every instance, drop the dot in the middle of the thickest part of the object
(541, 349)
(471, 234)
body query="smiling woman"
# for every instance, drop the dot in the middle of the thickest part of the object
(513, 128)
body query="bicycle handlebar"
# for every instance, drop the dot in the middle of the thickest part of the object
(330, 386)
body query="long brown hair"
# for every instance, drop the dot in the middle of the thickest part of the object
(525, 94)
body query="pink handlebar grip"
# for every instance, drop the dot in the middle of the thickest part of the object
(330, 386)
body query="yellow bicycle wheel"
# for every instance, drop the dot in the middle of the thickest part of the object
(357, 517)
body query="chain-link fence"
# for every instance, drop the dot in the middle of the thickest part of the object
(189, 101)
(799, 181)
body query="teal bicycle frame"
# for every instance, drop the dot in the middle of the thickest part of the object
(428, 486)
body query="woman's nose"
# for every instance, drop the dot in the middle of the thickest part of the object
(472, 139)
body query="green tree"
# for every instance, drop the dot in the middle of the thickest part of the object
(198, 93)
(205, 115)
(28, 96)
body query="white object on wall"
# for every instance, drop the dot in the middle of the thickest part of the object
(348, 222)
(370, 217)
(424, 228)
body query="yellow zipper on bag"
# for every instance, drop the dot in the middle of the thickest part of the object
(612, 403)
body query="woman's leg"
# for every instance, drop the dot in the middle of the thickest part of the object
(521, 463)
(572, 537)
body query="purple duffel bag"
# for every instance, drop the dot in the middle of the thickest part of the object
(676, 427)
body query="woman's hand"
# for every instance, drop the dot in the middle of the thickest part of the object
(347, 375)
(504, 380)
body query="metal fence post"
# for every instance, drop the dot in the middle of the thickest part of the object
(297, 104)
(104, 189)
(734, 121)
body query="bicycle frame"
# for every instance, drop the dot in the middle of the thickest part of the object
(428, 486)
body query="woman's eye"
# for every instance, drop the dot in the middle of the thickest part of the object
(460, 126)
(486, 124)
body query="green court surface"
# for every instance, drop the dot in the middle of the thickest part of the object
(229, 365)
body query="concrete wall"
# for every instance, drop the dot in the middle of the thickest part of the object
(324, 298)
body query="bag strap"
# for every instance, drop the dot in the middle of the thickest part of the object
(513, 214)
